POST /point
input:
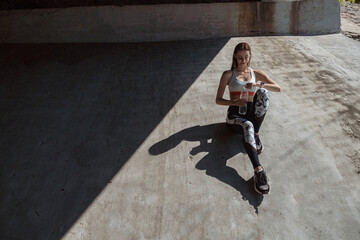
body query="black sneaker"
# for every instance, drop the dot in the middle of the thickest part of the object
(261, 184)
(259, 146)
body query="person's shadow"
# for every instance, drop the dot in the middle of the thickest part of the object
(220, 144)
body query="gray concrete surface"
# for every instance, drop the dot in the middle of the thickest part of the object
(124, 141)
(166, 22)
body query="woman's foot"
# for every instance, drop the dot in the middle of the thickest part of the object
(259, 146)
(261, 182)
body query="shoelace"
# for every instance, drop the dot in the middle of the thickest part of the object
(262, 178)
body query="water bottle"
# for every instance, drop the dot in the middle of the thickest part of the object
(243, 108)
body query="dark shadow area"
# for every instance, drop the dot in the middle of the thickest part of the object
(221, 144)
(71, 115)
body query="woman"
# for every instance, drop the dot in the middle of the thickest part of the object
(247, 107)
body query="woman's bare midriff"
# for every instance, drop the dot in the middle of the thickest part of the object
(236, 97)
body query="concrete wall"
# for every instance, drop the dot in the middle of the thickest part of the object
(169, 21)
(32, 4)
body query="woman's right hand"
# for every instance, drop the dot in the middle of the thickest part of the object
(239, 102)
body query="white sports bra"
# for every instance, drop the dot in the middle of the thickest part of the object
(237, 87)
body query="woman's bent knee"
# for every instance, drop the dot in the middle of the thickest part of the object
(262, 102)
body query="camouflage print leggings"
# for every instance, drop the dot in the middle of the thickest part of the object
(249, 123)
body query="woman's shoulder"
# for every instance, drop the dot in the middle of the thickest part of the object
(228, 73)
(226, 76)
(260, 73)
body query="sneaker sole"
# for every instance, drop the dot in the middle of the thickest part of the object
(259, 191)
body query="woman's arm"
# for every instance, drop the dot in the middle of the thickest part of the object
(270, 84)
(224, 81)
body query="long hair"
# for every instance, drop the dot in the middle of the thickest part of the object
(239, 47)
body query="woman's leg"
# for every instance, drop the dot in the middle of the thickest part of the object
(259, 107)
(246, 127)
(257, 114)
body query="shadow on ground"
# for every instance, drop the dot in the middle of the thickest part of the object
(220, 144)
(71, 115)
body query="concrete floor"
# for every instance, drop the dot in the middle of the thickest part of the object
(124, 141)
